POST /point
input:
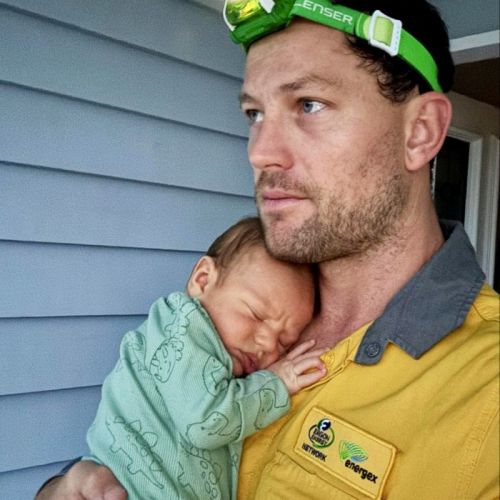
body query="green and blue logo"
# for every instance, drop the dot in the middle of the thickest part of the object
(352, 451)
(352, 455)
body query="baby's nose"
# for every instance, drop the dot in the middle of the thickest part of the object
(268, 344)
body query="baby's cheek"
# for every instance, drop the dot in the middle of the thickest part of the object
(237, 368)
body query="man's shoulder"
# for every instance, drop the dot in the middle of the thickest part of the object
(480, 334)
(476, 342)
(487, 304)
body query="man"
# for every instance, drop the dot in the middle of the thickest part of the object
(342, 135)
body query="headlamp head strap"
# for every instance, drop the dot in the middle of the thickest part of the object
(250, 20)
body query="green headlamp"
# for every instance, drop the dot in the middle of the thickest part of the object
(250, 20)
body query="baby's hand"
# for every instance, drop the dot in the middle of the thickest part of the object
(294, 368)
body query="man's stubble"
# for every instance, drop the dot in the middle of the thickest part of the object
(337, 228)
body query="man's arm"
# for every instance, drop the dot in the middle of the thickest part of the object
(84, 481)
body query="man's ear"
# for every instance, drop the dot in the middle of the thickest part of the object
(428, 119)
(203, 276)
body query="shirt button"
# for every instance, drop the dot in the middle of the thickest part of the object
(372, 350)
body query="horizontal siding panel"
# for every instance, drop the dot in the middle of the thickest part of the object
(23, 484)
(79, 351)
(122, 156)
(94, 139)
(47, 56)
(60, 207)
(68, 280)
(45, 427)
(177, 28)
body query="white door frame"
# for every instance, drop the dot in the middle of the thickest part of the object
(474, 174)
(490, 194)
(481, 204)
(478, 124)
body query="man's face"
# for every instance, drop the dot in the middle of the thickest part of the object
(326, 148)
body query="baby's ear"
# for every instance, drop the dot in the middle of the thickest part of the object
(204, 275)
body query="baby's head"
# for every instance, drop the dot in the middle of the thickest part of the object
(258, 304)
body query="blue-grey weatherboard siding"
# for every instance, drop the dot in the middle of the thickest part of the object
(122, 155)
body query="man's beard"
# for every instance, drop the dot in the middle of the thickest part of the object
(335, 230)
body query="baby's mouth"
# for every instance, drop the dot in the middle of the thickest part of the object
(250, 362)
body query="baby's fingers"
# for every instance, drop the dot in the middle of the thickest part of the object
(302, 348)
(309, 378)
(316, 353)
(306, 363)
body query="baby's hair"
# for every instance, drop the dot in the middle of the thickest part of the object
(246, 233)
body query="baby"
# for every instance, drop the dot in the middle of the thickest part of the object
(205, 370)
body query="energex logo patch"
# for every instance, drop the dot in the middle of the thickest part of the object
(321, 436)
(352, 455)
(346, 452)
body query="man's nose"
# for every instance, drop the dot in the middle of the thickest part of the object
(269, 146)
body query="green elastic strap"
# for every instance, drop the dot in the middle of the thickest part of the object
(344, 19)
(410, 49)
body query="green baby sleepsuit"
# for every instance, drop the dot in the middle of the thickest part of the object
(172, 418)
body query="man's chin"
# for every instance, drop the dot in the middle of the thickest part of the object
(279, 235)
(286, 250)
(283, 222)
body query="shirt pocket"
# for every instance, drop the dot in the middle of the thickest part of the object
(283, 478)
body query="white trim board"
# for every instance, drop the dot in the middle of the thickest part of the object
(475, 142)
(476, 47)
(490, 214)
(478, 123)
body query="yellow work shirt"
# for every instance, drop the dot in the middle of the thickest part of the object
(402, 428)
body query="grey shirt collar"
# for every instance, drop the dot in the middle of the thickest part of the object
(431, 305)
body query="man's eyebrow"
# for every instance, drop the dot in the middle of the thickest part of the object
(245, 98)
(311, 80)
(299, 84)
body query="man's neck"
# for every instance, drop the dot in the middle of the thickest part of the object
(356, 290)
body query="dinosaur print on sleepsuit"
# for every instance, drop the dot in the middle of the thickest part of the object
(137, 446)
(172, 418)
(170, 350)
(199, 473)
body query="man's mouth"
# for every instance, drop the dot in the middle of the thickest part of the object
(276, 199)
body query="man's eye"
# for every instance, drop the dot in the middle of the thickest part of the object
(253, 115)
(312, 106)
